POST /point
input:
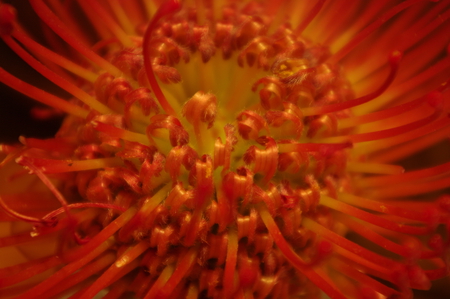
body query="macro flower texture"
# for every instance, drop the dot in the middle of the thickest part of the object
(229, 149)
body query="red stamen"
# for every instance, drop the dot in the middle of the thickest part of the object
(38, 266)
(182, 268)
(33, 220)
(81, 256)
(165, 9)
(362, 278)
(230, 264)
(122, 266)
(409, 177)
(371, 218)
(55, 213)
(41, 96)
(383, 114)
(60, 166)
(55, 78)
(159, 283)
(110, 23)
(61, 29)
(296, 261)
(55, 58)
(310, 16)
(392, 141)
(369, 29)
(383, 134)
(90, 269)
(394, 61)
(348, 245)
(383, 207)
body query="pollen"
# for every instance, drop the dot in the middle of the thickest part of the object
(223, 149)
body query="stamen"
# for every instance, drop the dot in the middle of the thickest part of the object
(362, 278)
(27, 162)
(160, 282)
(55, 58)
(230, 263)
(369, 29)
(410, 189)
(35, 221)
(394, 61)
(122, 17)
(371, 218)
(42, 232)
(308, 19)
(60, 29)
(115, 29)
(55, 213)
(66, 14)
(383, 114)
(383, 134)
(383, 207)
(392, 141)
(419, 79)
(165, 9)
(37, 267)
(65, 272)
(55, 78)
(90, 269)
(409, 177)
(374, 168)
(324, 148)
(348, 245)
(184, 264)
(414, 146)
(297, 262)
(116, 132)
(41, 96)
(117, 270)
(377, 239)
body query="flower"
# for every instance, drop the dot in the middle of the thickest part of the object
(222, 149)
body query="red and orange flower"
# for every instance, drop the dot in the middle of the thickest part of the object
(230, 149)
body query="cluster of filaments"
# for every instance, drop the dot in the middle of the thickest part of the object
(242, 187)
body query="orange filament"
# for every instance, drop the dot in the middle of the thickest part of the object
(59, 28)
(55, 58)
(184, 264)
(371, 218)
(409, 177)
(383, 207)
(122, 134)
(394, 61)
(294, 258)
(374, 168)
(383, 134)
(90, 269)
(371, 28)
(59, 166)
(64, 272)
(348, 245)
(25, 218)
(381, 115)
(115, 29)
(407, 136)
(168, 7)
(116, 270)
(122, 16)
(41, 96)
(311, 15)
(230, 264)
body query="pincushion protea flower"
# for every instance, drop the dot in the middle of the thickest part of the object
(224, 149)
